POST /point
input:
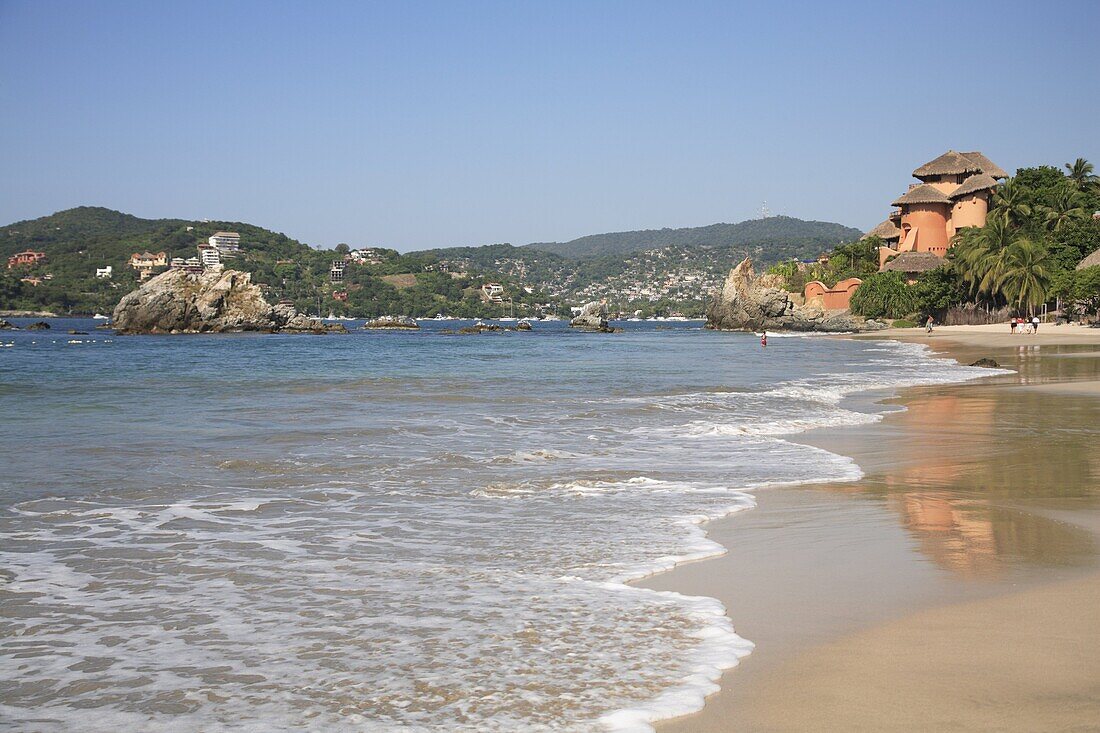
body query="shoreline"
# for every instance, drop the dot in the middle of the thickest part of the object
(825, 577)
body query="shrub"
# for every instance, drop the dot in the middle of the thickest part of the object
(903, 323)
(884, 295)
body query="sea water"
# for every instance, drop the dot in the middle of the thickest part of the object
(390, 531)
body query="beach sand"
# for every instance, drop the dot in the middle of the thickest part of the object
(955, 587)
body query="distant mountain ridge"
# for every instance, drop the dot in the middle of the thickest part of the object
(783, 231)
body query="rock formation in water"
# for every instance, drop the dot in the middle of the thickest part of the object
(7, 326)
(593, 317)
(398, 322)
(750, 303)
(211, 302)
(39, 326)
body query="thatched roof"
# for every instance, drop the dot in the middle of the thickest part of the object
(977, 182)
(988, 166)
(948, 164)
(886, 230)
(914, 262)
(922, 194)
(1091, 261)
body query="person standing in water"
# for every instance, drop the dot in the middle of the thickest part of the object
(1012, 326)
(764, 339)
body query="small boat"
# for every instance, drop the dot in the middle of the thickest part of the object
(101, 317)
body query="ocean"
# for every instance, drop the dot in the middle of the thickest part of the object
(392, 531)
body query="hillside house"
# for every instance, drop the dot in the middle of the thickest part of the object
(228, 244)
(209, 256)
(104, 273)
(336, 271)
(146, 262)
(492, 292)
(27, 257)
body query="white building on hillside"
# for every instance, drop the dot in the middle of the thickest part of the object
(228, 244)
(103, 272)
(209, 255)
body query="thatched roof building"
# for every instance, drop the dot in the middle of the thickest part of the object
(988, 166)
(977, 182)
(922, 194)
(1091, 261)
(887, 230)
(914, 262)
(953, 163)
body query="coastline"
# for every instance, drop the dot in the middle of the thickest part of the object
(948, 572)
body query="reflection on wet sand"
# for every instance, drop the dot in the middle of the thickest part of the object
(967, 467)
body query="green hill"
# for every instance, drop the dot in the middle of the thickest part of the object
(782, 237)
(78, 241)
(663, 270)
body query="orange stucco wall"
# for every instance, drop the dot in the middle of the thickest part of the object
(930, 224)
(970, 211)
(834, 298)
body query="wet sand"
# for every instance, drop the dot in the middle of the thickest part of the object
(954, 587)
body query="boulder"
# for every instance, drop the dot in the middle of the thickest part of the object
(524, 325)
(987, 362)
(223, 301)
(39, 326)
(593, 317)
(397, 322)
(6, 326)
(480, 327)
(747, 302)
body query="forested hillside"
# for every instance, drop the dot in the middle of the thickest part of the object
(782, 237)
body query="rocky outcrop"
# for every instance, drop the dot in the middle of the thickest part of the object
(593, 317)
(398, 322)
(6, 326)
(211, 302)
(39, 326)
(987, 363)
(523, 325)
(750, 303)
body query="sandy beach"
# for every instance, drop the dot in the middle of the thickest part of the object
(954, 587)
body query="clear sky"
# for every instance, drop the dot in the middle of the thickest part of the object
(422, 124)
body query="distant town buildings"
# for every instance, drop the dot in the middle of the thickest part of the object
(104, 273)
(25, 258)
(228, 244)
(367, 256)
(954, 193)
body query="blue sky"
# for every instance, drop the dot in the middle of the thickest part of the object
(421, 124)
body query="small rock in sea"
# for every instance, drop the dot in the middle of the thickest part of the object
(39, 326)
(398, 322)
(987, 362)
(523, 325)
(6, 326)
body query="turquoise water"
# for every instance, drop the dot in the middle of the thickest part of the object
(390, 531)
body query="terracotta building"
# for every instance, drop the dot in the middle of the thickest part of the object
(26, 257)
(953, 193)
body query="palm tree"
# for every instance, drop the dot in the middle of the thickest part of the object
(1024, 278)
(1081, 172)
(1010, 203)
(1069, 206)
(979, 255)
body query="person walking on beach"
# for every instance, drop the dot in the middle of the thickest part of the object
(1035, 324)
(928, 325)
(1012, 325)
